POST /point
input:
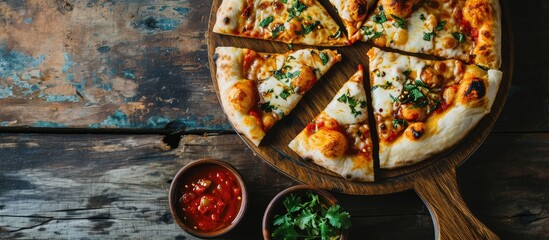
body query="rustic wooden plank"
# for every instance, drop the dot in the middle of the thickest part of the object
(106, 64)
(143, 64)
(115, 186)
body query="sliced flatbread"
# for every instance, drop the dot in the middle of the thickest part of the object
(468, 30)
(423, 107)
(352, 13)
(258, 89)
(288, 21)
(339, 138)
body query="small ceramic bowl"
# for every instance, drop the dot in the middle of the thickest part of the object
(196, 193)
(276, 207)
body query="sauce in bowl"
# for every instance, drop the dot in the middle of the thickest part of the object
(211, 197)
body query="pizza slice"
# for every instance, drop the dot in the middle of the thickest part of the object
(352, 13)
(339, 138)
(288, 21)
(258, 89)
(423, 107)
(468, 30)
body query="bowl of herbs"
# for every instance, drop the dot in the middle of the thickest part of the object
(305, 212)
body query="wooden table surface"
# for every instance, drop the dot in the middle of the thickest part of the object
(102, 102)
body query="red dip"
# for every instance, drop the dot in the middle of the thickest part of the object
(211, 197)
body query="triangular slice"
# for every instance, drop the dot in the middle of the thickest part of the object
(468, 30)
(352, 13)
(339, 137)
(258, 89)
(423, 107)
(288, 21)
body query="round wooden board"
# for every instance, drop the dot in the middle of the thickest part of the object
(274, 147)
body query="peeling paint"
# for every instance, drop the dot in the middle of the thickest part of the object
(158, 122)
(60, 98)
(118, 119)
(6, 92)
(12, 62)
(46, 124)
(181, 10)
(28, 20)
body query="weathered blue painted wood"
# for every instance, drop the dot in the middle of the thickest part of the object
(99, 64)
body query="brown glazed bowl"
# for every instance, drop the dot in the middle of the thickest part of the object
(276, 207)
(176, 194)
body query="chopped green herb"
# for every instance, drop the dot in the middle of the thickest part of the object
(266, 21)
(420, 83)
(370, 32)
(393, 98)
(342, 99)
(399, 22)
(291, 46)
(422, 17)
(397, 122)
(380, 73)
(284, 1)
(307, 218)
(293, 75)
(270, 91)
(279, 75)
(277, 30)
(381, 18)
(407, 72)
(324, 57)
(459, 36)
(440, 25)
(309, 18)
(267, 107)
(287, 67)
(285, 93)
(427, 36)
(296, 9)
(384, 86)
(309, 28)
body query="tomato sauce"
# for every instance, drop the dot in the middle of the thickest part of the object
(211, 198)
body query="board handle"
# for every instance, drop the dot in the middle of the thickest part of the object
(451, 217)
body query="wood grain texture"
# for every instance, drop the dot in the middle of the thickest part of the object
(106, 64)
(116, 186)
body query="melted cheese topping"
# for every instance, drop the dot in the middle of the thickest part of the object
(339, 139)
(296, 21)
(442, 28)
(468, 94)
(257, 89)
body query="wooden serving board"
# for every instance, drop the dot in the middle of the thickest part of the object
(433, 179)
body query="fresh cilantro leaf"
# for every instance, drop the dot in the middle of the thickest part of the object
(266, 21)
(440, 25)
(459, 36)
(399, 22)
(286, 232)
(309, 219)
(420, 83)
(284, 1)
(362, 104)
(292, 203)
(305, 219)
(416, 94)
(324, 57)
(338, 217)
(293, 75)
(270, 90)
(422, 17)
